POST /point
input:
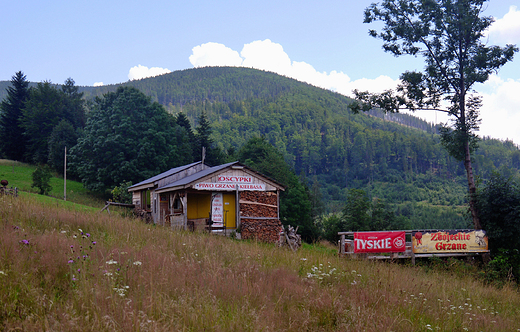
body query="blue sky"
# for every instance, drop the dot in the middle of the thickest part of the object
(324, 43)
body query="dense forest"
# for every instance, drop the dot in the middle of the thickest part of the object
(396, 158)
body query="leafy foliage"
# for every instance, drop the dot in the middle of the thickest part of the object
(295, 201)
(121, 194)
(41, 179)
(127, 138)
(63, 135)
(499, 206)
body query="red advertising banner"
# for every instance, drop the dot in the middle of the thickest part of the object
(379, 242)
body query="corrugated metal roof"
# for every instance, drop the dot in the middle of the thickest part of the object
(197, 176)
(158, 177)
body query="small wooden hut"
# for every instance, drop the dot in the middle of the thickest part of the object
(224, 198)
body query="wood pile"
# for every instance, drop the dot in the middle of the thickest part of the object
(262, 208)
(258, 204)
(143, 214)
(290, 238)
(266, 230)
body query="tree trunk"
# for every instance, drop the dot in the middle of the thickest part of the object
(472, 188)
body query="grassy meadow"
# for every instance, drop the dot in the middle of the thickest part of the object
(19, 175)
(69, 269)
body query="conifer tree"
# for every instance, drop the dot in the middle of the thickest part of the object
(13, 141)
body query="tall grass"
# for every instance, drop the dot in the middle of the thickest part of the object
(62, 269)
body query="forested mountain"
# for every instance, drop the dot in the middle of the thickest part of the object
(397, 158)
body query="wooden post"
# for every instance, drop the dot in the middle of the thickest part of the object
(342, 245)
(65, 177)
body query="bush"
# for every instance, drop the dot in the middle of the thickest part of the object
(41, 178)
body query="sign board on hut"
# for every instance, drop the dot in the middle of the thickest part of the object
(217, 210)
(449, 241)
(225, 182)
(373, 242)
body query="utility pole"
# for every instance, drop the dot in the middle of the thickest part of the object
(65, 176)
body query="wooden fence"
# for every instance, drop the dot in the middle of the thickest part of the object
(9, 191)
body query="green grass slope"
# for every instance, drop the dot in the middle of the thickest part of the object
(80, 271)
(19, 175)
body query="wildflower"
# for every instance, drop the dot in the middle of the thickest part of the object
(94, 242)
(63, 232)
(303, 259)
(88, 235)
(71, 247)
(137, 263)
(26, 242)
(79, 229)
(111, 262)
(70, 261)
(74, 236)
(3, 273)
(108, 274)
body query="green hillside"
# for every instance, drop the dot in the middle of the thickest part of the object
(397, 158)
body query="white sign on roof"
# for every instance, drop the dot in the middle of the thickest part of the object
(229, 186)
(235, 179)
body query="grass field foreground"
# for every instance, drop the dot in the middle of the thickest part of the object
(65, 269)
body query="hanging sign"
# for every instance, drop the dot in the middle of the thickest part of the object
(449, 241)
(379, 242)
(217, 210)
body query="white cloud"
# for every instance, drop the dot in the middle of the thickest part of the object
(500, 111)
(506, 29)
(139, 72)
(214, 54)
(98, 84)
(266, 55)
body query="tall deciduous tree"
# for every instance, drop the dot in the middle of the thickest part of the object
(12, 144)
(448, 34)
(127, 138)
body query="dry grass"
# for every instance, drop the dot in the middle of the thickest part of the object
(138, 277)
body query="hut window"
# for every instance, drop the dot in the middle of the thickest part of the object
(177, 205)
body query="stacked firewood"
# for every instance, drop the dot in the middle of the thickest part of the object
(266, 230)
(262, 208)
(258, 204)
